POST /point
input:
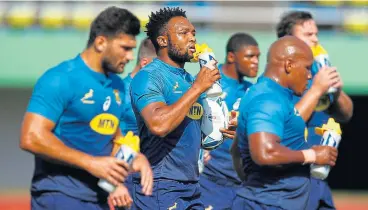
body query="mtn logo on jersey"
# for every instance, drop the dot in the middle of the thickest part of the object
(105, 124)
(195, 112)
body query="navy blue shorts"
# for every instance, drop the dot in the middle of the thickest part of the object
(59, 201)
(241, 203)
(129, 184)
(168, 194)
(217, 196)
(320, 195)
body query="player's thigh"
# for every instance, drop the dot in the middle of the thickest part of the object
(320, 196)
(216, 196)
(179, 195)
(129, 184)
(59, 201)
(241, 203)
(141, 201)
(326, 202)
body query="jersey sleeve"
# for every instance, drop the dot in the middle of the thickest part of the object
(146, 89)
(266, 115)
(51, 95)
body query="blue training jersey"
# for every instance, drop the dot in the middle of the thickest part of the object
(268, 107)
(220, 166)
(174, 156)
(128, 122)
(85, 107)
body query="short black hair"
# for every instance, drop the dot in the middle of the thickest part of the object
(238, 41)
(113, 21)
(157, 23)
(146, 49)
(289, 20)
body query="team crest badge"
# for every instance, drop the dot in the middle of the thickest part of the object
(117, 96)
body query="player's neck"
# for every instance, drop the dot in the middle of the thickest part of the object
(92, 60)
(230, 71)
(274, 74)
(135, 71)
(165, 58)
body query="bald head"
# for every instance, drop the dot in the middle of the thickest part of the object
(289, 61)
(288, 47)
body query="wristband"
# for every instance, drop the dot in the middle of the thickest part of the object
(309, 156)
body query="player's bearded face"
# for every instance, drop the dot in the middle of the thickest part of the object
(181, 39)
(108, 66)
(118, 53)
(178, 54)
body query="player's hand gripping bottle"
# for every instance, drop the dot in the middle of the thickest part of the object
(331, 136)
(204, 55)
(129, 147)
(321, 59)
(215, 114)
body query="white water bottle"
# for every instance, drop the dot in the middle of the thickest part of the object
(204, 55)
(201, 161)
(331, 136)
(322, 59)
(129, 147)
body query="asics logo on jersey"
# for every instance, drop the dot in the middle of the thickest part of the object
(86, 98)
(107, 103)
(236, 104)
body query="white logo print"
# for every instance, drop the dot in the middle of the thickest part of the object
(236, 104)
(87, 97)
(296, 112)
(107, 103)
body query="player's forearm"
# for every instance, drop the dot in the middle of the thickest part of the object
(237, 162)
(308, 103)
(342, 110)
(45, 144)
(168, 118)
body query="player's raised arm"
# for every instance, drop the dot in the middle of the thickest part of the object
(325, 78)
(161, 118)
(342, 110)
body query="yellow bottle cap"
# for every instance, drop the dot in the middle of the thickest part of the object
(199, 50)
(129, 140)
(331, 125)
(318, 50)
